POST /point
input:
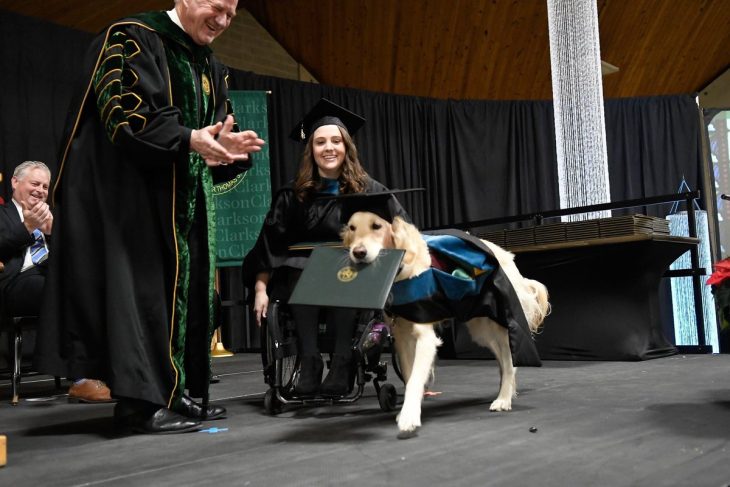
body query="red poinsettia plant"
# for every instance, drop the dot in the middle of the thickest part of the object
(720, 282)
(722, 272)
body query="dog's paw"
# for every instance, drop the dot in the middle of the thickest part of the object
(501, 405)
(404, 435)
(408, 423)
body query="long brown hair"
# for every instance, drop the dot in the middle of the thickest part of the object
(353, 179)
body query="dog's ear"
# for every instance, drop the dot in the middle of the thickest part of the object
(405, 236)
(400, 232)
(346, 235)
(404, 233)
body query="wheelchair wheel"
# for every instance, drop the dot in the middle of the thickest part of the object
(279, 355)
(387, 397)
(272, 405)
(266, 361)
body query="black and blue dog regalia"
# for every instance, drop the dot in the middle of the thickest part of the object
(465, 281)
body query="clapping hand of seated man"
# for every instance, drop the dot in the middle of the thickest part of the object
(219, 145)
(37, 216)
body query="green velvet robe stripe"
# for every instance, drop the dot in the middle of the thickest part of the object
(190, 75)
(118, 301)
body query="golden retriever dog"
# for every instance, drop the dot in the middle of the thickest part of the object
(416, 343)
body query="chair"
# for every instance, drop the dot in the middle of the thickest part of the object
(15, 325)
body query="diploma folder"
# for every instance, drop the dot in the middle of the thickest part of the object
(331, 279)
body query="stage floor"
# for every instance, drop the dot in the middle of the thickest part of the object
(652, 423)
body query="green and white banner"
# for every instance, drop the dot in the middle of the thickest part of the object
(241, 204)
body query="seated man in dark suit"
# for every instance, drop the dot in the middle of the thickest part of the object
(25, 229)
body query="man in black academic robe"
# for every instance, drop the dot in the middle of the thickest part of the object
(130, 296)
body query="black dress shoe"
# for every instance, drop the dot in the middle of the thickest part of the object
(339, 378)
(151, 421)
(191, 409)
(310, 375)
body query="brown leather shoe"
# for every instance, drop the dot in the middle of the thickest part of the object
(89, 391)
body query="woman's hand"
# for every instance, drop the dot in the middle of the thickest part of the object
(261, 298)
(260, 305)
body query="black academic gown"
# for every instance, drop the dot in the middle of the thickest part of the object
(288, 222)
(129, 294)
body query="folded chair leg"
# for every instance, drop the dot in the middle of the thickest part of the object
(17, 356)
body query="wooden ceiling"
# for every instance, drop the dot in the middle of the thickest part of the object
(463, 49)
(495, 49)
(86, 15)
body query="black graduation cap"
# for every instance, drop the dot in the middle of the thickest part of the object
(382, 203)
(326, 113)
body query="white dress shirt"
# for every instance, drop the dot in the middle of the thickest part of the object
(175, 18)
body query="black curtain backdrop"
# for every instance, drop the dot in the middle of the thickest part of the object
(486, 159)
(40, 65)
(477, 159)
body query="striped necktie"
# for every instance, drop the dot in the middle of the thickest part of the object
(38, 250)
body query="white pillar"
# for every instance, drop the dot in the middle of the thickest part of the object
(580, 128)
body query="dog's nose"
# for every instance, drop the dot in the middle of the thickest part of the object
(359, 253)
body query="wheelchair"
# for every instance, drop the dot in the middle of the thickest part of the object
(280, 360)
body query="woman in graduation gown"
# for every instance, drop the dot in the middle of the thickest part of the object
(329, 166)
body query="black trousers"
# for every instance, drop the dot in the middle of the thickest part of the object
(307, 318)
(22, 295)
(343, 320)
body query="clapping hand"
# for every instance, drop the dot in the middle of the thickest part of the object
(229, 146)
(37, 216)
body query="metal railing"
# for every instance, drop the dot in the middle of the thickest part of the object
(695, 272)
